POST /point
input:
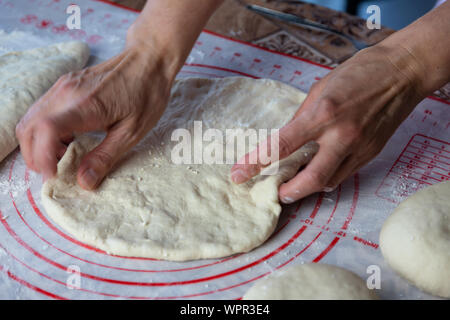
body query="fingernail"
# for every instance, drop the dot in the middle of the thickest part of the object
(238, 176)
(287, 200)
(329, 189)
(90, 178)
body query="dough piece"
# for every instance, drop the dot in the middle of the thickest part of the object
(27, 75)
(415, 239)
(311, 281)
(151, 207)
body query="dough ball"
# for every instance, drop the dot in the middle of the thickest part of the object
(415, 239)
(311, 282)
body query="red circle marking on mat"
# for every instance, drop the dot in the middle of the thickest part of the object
(153, 298)
(246, 281)
(312, 215)
(152, 284)
(276, 251)
(303, 228)
(183, 269)
(325, 251)
(54, 228)
(55, 280)
(107, 294)
(186, 296)
(113, 267)
(347, 220)
(87, 261)
(17, 238)
(30, 286)
(123, 269)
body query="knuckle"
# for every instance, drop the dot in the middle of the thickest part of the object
(23, 126)
(328, 109)
(61, 80)
(23, 131)
(354, 131)
(95, 105)
(64, 82)
(131, 137)
(338, 144)
(349, 134)
(46, 125)
(68, 82)
(103, 158)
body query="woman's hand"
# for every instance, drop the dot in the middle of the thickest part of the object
(351, 113)
(356, 108)
(124, 96)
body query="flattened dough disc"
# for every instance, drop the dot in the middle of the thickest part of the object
(27, 75)
(151, 207)
(415, 239)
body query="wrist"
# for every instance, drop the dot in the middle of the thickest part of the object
(169, 28)
(150, 49)
(422, 47)
(410, 73)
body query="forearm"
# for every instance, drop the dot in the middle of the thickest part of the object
(171, 27)
(422, 50)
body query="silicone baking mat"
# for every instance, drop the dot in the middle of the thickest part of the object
(40, 260)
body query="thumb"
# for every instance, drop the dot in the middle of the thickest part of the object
(98, 163)
(290, 138)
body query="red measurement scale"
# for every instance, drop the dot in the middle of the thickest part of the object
(423, 162)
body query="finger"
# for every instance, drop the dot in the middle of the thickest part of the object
(277, 147)
(96, 164)
(315, 176)
(25, 136)
(27, 133)
(26, 148)
(45, 149)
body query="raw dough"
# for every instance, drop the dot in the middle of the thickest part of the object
(311, 281)
(25, 76)
(415, 239)
(151, 207)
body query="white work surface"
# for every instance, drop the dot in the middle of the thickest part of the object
(339, 228)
